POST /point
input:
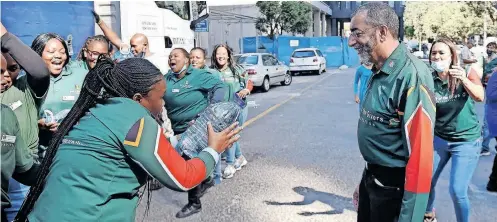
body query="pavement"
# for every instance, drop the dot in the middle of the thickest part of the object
(304, 162)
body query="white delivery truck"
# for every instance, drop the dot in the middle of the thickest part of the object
(167, 24)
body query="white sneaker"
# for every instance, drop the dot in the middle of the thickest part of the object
(229, 172)
(240, 162)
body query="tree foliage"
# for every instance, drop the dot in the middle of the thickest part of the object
(295, 17)
(270, 20)
(455, 20)
(480, 8)
(290, 16)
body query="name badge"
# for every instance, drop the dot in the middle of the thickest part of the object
(15, 105)
(68, 98)
(8, 139)
(175, 90)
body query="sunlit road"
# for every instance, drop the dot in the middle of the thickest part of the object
(304, 162)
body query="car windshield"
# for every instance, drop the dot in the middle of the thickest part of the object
(303, 54)
(248, 60)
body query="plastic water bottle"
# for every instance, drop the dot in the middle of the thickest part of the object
(221, 115)
(57, 118)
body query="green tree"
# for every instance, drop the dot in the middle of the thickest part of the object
(295, 17)
(270, 20)
(449, 19)
(480, 8)
(409, 31)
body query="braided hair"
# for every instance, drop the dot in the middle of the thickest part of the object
(105, 80)
(89, 40)
(38, 45)
(231, 62)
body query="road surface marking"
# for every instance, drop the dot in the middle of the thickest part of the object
(250, 121)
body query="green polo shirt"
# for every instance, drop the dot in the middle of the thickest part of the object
(457, 120)
(15, 156)
(106, 158)
(25, 104)
(64, 89)
(235, 81)
(212, 71)
(185, 98)
(396, 125)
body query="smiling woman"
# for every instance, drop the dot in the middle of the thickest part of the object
(66, 79)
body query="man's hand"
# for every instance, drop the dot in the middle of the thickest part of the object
(3, 30)
(53, 126)
(96, 16)
(357, 100)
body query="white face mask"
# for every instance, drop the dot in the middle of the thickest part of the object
(182, 69)
(440, 66)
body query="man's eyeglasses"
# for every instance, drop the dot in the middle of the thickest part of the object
(359, 33)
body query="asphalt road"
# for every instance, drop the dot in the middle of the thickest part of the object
(304, 162)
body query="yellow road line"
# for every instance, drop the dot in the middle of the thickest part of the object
(250, 121)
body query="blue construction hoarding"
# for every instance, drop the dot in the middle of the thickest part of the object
(29, 19)
(334, 48)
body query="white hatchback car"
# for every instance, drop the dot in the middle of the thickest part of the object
(264, 70)
(307, 60)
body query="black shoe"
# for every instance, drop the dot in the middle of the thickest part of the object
(205, 187)
(188, 210)
(492, 186)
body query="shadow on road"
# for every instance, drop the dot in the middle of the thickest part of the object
(336, 202)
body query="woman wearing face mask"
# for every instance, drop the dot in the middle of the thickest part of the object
(23, 95)
(187, 95)
(457, 130)
(197, 59)
(238, 82)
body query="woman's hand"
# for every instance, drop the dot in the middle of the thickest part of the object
(3, 30)
(357, 100)
(224, 139)
(243, 93)
(458, 73)
(48, 126)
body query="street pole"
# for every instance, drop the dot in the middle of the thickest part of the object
(241, 39)
(484, 26)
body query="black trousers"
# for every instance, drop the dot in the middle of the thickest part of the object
(194, 194)
(380, 194)
(493, 175)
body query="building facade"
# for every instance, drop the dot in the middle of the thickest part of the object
(342, 13)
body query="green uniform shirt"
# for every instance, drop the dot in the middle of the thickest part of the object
(457, 120)
(396, 126)
(25, 104)
(235, 82)
(15, 156)
(64, 89)
(103, 161)
(187, 97)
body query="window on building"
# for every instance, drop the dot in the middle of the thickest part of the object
(347, 5)
(180, 8)
(339, 5)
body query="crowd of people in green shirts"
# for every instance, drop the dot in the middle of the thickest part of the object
(92, 131)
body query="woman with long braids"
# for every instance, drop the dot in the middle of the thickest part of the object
(109, 146)
(238, 82)
(457, 129)
(189, 92)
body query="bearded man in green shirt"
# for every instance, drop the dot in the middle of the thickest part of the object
(395, 130)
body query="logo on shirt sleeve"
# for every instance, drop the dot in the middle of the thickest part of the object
(135, 133)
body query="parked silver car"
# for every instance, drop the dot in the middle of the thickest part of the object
(264, 70)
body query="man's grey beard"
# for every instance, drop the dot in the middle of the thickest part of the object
(366, 50)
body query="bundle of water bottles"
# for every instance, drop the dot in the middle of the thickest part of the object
(220, 115)
(125, 53)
